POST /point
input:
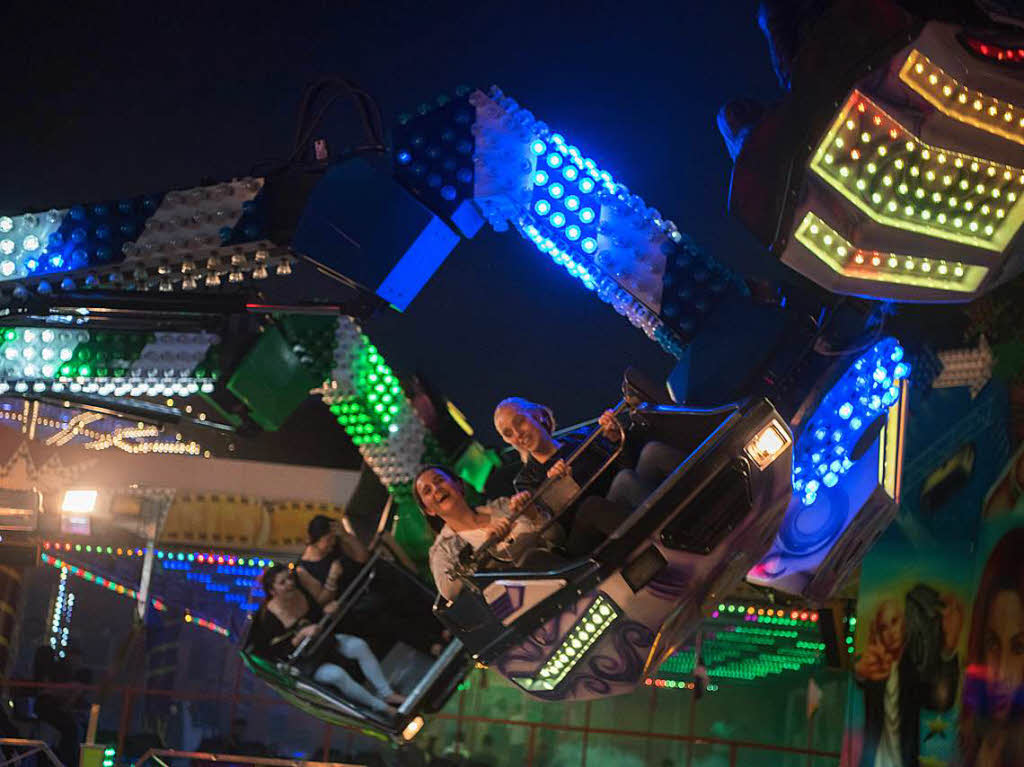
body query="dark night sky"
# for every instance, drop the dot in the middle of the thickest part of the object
(149, 97)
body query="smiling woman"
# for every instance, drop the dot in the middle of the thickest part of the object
(440, 495)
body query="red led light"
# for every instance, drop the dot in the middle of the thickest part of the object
(814, 617)
(996, 52)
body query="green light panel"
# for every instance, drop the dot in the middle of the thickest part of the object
(883, 169)
(850, 261)
(748, 642)
(953, 99)
(368, 414)
(595, 621)
(116, 363)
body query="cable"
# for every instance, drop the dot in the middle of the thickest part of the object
(333, 87)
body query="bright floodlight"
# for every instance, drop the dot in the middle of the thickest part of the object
(79, 502)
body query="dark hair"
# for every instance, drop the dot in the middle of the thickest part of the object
(1003, 571)
(432, 467)
(318, 527)
(267, 579)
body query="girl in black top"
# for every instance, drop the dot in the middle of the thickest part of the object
(289, 615)
(331, 559)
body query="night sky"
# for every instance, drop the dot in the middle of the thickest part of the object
(150, 97)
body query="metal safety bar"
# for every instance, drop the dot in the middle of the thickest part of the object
(481, 555)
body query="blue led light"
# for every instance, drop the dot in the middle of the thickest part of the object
(448, 192)
(556, 190)
(557, 219)
(404, 158)
(569, 173)
(554, 160)
(572, 202)
(856, 400)
(540, 178)
(587, 215)
(538, 147)
(572, 232)
(589, 244)
(543, 207)
(587, 186)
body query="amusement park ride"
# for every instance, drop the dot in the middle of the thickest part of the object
(895, 177)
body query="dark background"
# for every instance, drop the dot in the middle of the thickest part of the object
(114, 100)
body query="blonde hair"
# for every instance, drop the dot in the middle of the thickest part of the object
(544, 415)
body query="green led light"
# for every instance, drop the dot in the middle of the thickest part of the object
(599, 616)
(907, 171)
(842, 257)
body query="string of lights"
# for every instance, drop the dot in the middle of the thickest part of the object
(198, 557)
(118, 588)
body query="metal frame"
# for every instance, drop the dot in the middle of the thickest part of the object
(35, 746)
(155, 755)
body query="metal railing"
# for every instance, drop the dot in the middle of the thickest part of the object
(158, 755)
(123, 704)
(16, 750)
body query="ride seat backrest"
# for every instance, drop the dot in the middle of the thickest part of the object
(684, 431)
(404, 667)
(646, 387)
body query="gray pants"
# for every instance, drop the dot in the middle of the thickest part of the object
(356, 649)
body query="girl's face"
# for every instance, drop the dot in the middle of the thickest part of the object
(520, 428)
(326, 543)
(439, 493)
(284, 583)
(1004, 652)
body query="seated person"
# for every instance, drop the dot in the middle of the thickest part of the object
(438, 494)
(529, 428)
(331, 559)
(329, 564)
(289, 615)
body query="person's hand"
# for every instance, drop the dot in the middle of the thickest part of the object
(559, 469)
(875, 664)
(334, 575)
(519, 501)
(303, 633)
(331, 607)
(952, 612)
(610, 426)
(499, 529)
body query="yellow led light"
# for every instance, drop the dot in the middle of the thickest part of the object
(860, 264)
(883, 177)
(937, 87)
(768, 444)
